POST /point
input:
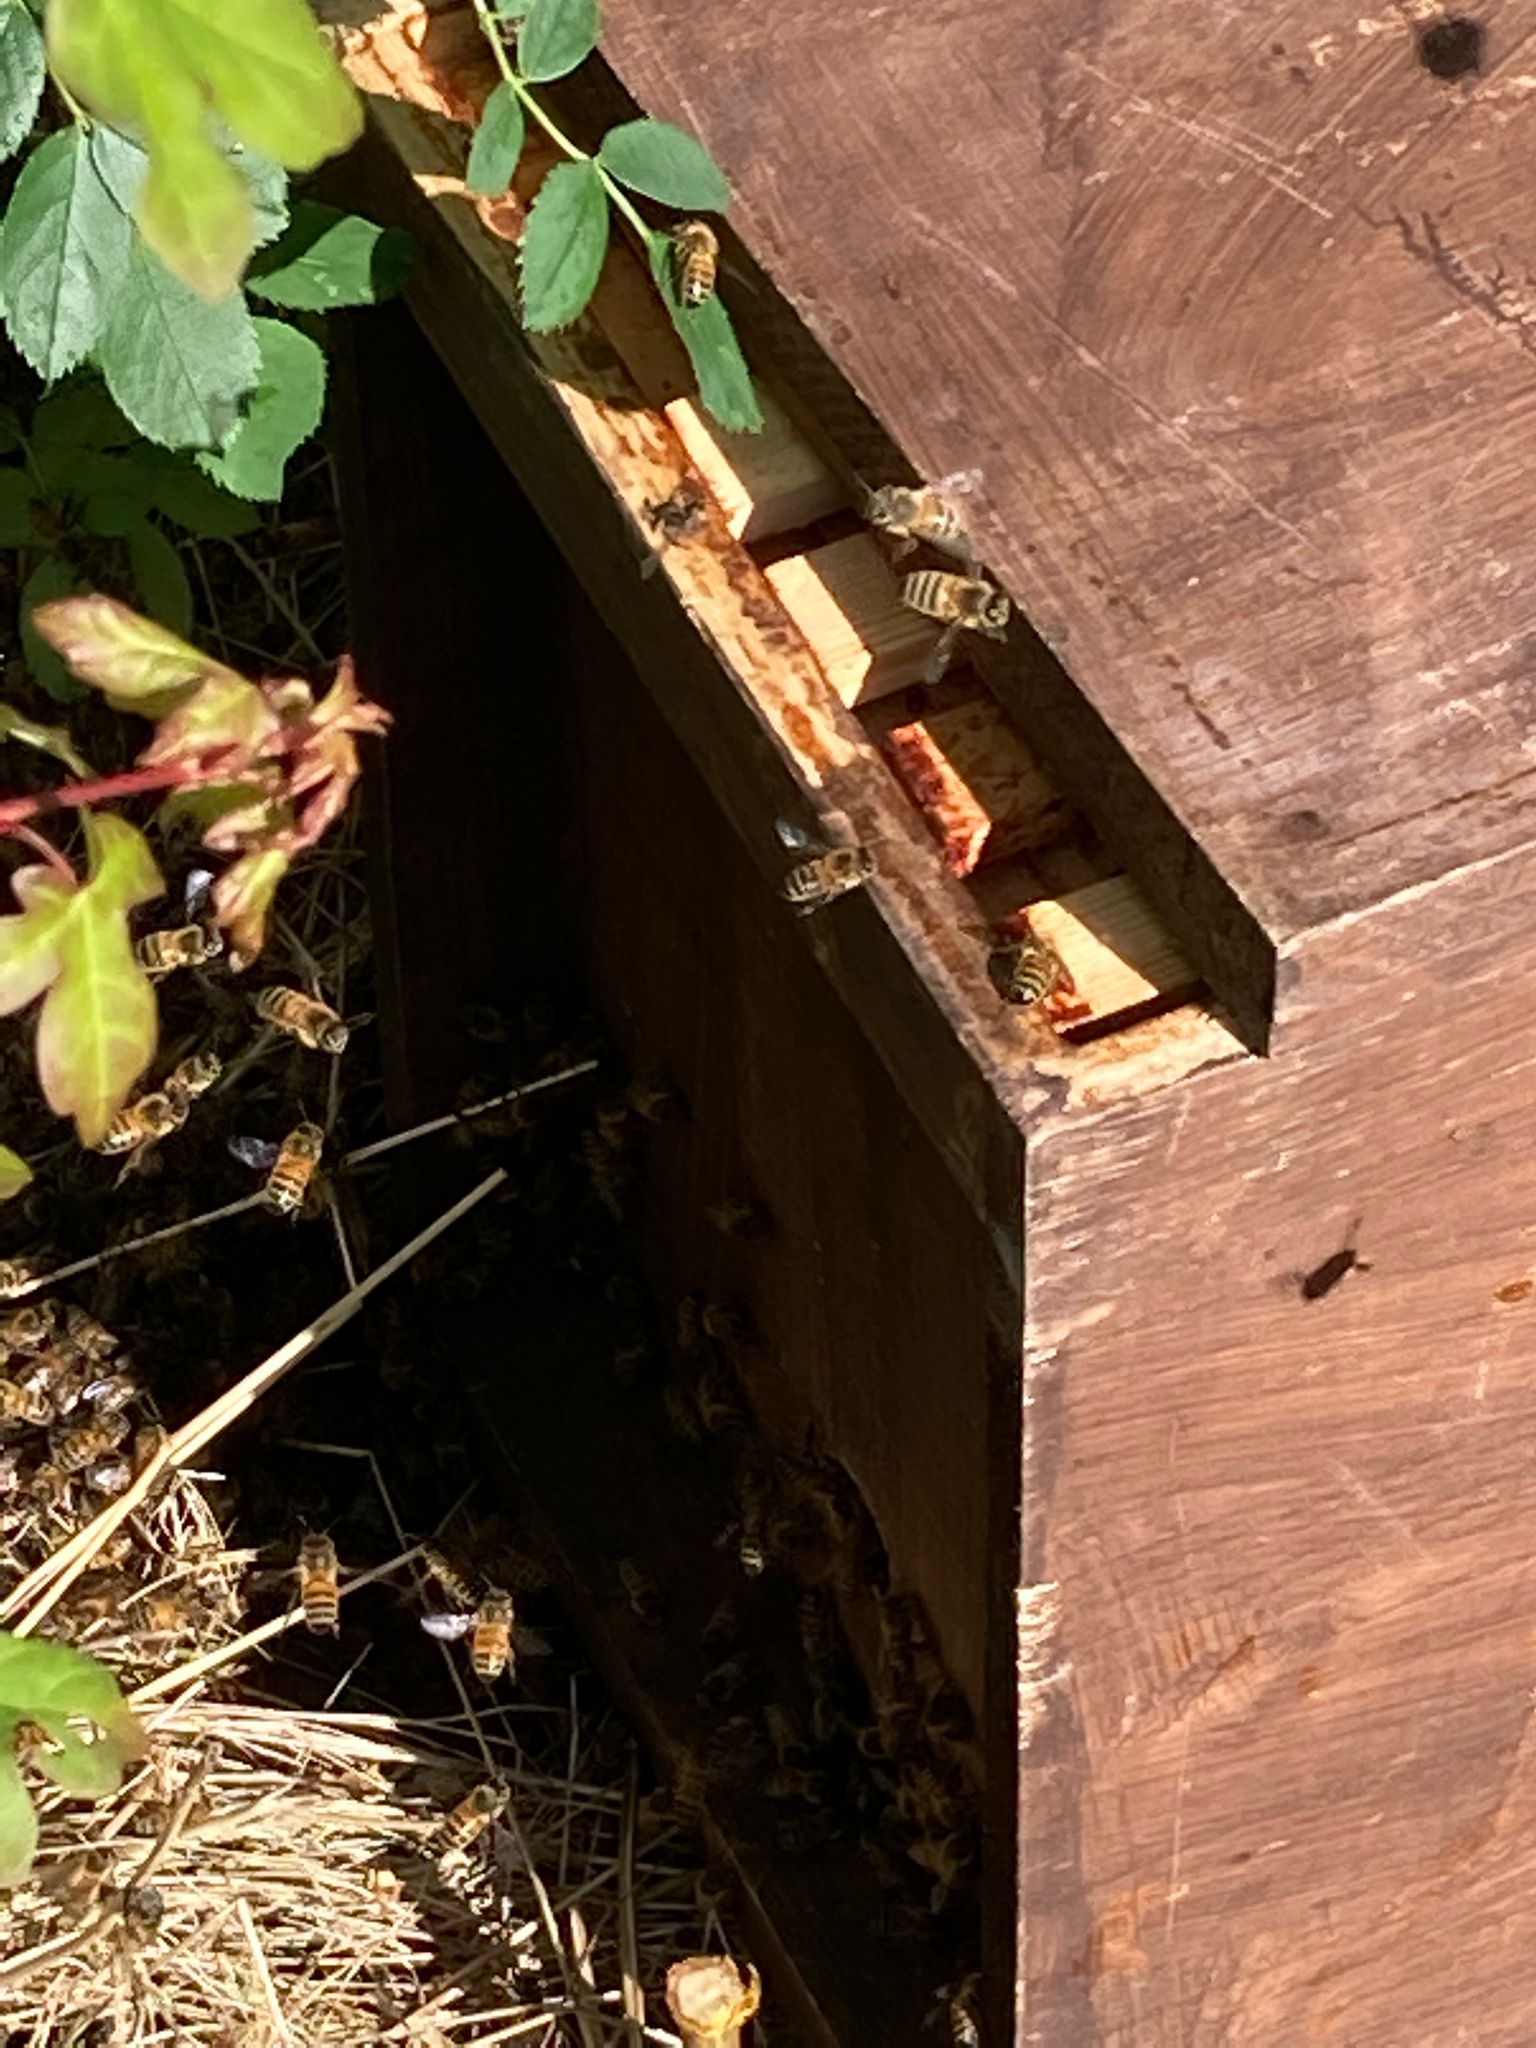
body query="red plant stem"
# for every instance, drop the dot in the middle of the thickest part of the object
(49, 853)
(104, 790)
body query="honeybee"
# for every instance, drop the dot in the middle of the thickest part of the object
(143, 1910)
(188, 945)
(1028, 970)
(30, 1740)
(696, 257)
(448, 1576)
(148, 1440)
(23, 1330)
(89, 1443)
(785, 1736)
(687, 1795)
(56, 1374)
(112, 1477)
(144, 1122)
(910, 513)
(90, 1338)
(112, 1391)
(490, 1646)
(194, 1075)
(827, 873)
(15, 1277)
(643, 1597)
(314, 1024)
(471, 1817)
(10, 1471)
(961, 604)
(289, 1167)
(21, 1401)
(318, 1592)
(721, 1413)
(47, 1485)
(682, 1416)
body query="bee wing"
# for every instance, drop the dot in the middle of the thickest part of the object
(259, 1153)
(794, 838)
(199, 884)
(447, 1628)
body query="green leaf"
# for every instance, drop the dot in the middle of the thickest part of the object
(15, 1174)
(176, 364)
(48, 739)
(195, 213)
(327, 258)
(262, 66)
(498, 143)
(29, 938)
(18, 1824)
(181, 493)
(725, 383)
(161, 579)
(64, 253)
(80, 414)
(22, 71)
(132, 661)
(284, 411)
(82, 474)
(269, 191)
(564, 243)
(555, 37)
(96, 1035)
(661, 161)
(52, 578)
(51, 1683)
(17, 493)
(11, 436)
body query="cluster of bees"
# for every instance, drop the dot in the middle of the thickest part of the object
(67, 1438)
(889, 1760)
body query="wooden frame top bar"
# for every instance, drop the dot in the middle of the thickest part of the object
(1222, 305)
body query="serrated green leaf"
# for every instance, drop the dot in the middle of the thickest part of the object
(555, 37)
(18, 1824)
(664, 163)
(96, 1034)
(64, 253)
(498, 143)
(52, 578)
(327, 258)
(263, 68)
(17, 492)
(181, 493)
(283, 412)
(161, 579)
(725, 383)
(177, 364)
(268, 183)
(15, 1174)
(564, 243)
(22, 71)
(47, 739)
(80, 414)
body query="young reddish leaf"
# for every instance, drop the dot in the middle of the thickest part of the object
(15, 1174)
(242, 896)
(224, 715)
(97, 1031)
(138, 665)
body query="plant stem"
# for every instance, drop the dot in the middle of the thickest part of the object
(616, 193)
(106, 789)
(43, 847)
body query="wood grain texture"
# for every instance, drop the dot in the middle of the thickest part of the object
(1279, 1775)
(980, 788)
(846, 601)
(1224, 305)
(765, 483)
(1117, 953)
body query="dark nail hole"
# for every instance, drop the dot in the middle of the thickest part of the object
(1452, 47)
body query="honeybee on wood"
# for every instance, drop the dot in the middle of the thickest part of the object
(471, 1817)
(961, 604)
(696, 259)
(1029, 972)
(827, 873)
(15, 1277)
(910, 513)
(144, 1122)
(289, 1167)
(188, 945)
(314, 1024)
(319, 1595)
(193, 1076)
(643, 1597)
(89, 1443)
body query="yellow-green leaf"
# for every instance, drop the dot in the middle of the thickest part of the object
(18, 1825)
(29, 938)
(97, 1031)
(48, 739)
(243, 895)
(15, 1174)
(195, 213)
(138, 665)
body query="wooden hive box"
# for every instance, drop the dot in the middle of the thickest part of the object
(1180, 1356)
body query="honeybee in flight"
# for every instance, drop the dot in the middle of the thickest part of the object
(314, 1024)
(144, 1122)
(696, 253)
(318, 1593)
(490, 1632)
(471, 1817)
(188, 945)
(826, 873)
(289, 1167)
(961, 604)
(193, 1076)
(910, 513)
(90, 1443)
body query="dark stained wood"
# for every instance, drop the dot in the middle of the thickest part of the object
(1219, 303)
(1277, 1780)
